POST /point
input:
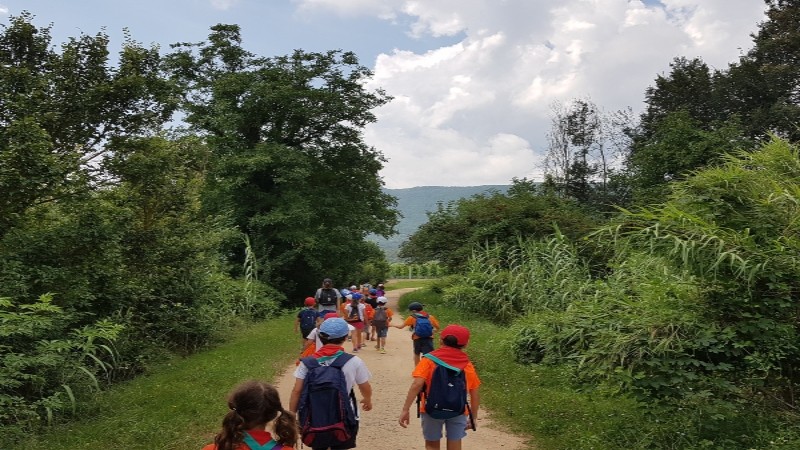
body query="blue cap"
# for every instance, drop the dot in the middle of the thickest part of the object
(357, 296)
(345, 292)
(334, 328)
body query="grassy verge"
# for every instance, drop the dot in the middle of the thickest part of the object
(408, 283)
(537, 400)
(181, 404)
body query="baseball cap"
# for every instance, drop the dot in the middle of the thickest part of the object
(334, 327)
(357, 296)
(310, 301)
(354, 288)
(382, 299)
(415, 306)
(459, 332)
(330, 316)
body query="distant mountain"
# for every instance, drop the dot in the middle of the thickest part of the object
(414, 203)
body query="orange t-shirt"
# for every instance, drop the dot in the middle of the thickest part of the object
(261, 436)
(425, 369)
(412, 321)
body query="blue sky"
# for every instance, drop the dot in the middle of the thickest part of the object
(474, 81)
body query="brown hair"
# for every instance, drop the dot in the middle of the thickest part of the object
(253, 404)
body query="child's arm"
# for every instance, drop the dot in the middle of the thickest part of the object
(474, 403)
(413, 391)
(297, 324)
(294, 398)
(366, 395)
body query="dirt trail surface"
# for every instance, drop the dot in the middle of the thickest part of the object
(391, 378)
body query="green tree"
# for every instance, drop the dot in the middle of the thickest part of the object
(289, 162)
(59, 109)
(455, 230)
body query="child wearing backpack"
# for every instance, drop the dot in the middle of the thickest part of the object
(252, 405)
(380, 320)
(306, 318)
(355, 315)
(314, 338)
(323, 394)
(423, 325)
(443, 380)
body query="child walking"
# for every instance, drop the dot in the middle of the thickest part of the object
(381, 319)
(252, 405)
(355, 315)
(423, 325)
(446, 411)
(306, 318)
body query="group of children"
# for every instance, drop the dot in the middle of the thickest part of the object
(444, 377)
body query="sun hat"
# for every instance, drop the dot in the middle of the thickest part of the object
(382, 299)
(334, 328)
(459, 332)
(415, 306)
(310, 301)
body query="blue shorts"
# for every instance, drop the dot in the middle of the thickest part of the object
(382, 331)
(432, 428)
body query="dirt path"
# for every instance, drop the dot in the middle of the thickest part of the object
(391, 377)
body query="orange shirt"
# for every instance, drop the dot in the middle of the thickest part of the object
(425, 369)
(412, 321)
(261, 436)
(389, 314)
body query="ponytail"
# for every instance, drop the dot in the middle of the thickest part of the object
(232, 433)
(286, 428)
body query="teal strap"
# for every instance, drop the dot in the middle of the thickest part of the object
(323, 359)
(440, 362)
(254, 445)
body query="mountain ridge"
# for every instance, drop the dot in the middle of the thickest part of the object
(415, 202)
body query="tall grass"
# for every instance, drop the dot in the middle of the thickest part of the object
(181, 404)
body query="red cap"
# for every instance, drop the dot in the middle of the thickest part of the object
(330, 316)
(310, 301)
(460, 333)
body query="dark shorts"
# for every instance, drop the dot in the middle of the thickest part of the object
(382, 331)
(423, 345)
(305, 331)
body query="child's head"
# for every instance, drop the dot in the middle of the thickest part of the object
(455, 336)
(310, 301)
(416, 306)
(382, 301)
(357, 298)
(253, 404)
(333, 331)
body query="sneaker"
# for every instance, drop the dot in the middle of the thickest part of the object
(355, 349)
(363, 344)
(383, 350)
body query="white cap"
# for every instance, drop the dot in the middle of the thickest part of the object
(382, 299)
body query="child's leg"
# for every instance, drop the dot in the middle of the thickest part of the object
(432, 445)
(453, 445)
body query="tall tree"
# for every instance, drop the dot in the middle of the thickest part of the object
(59, 109)
(290, 162)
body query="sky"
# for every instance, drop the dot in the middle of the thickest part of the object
(473, 81)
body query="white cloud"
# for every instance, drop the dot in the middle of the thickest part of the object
(477, 111)
(223, 4)
(3, 9)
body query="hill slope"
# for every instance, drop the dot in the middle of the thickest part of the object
(414, 203)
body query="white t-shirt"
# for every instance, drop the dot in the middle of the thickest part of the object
(314, 335)
(355, 372)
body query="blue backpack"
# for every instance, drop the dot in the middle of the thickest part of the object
(308, 319)
(325, 411)
(446, 397)
(423, 327)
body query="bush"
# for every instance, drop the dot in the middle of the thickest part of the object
(42, 372)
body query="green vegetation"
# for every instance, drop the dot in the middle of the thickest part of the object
(181, 404)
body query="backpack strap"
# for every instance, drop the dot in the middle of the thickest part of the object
(254, 445)
(441, 363)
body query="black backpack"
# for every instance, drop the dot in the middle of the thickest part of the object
(381, 318)
(327, 297)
